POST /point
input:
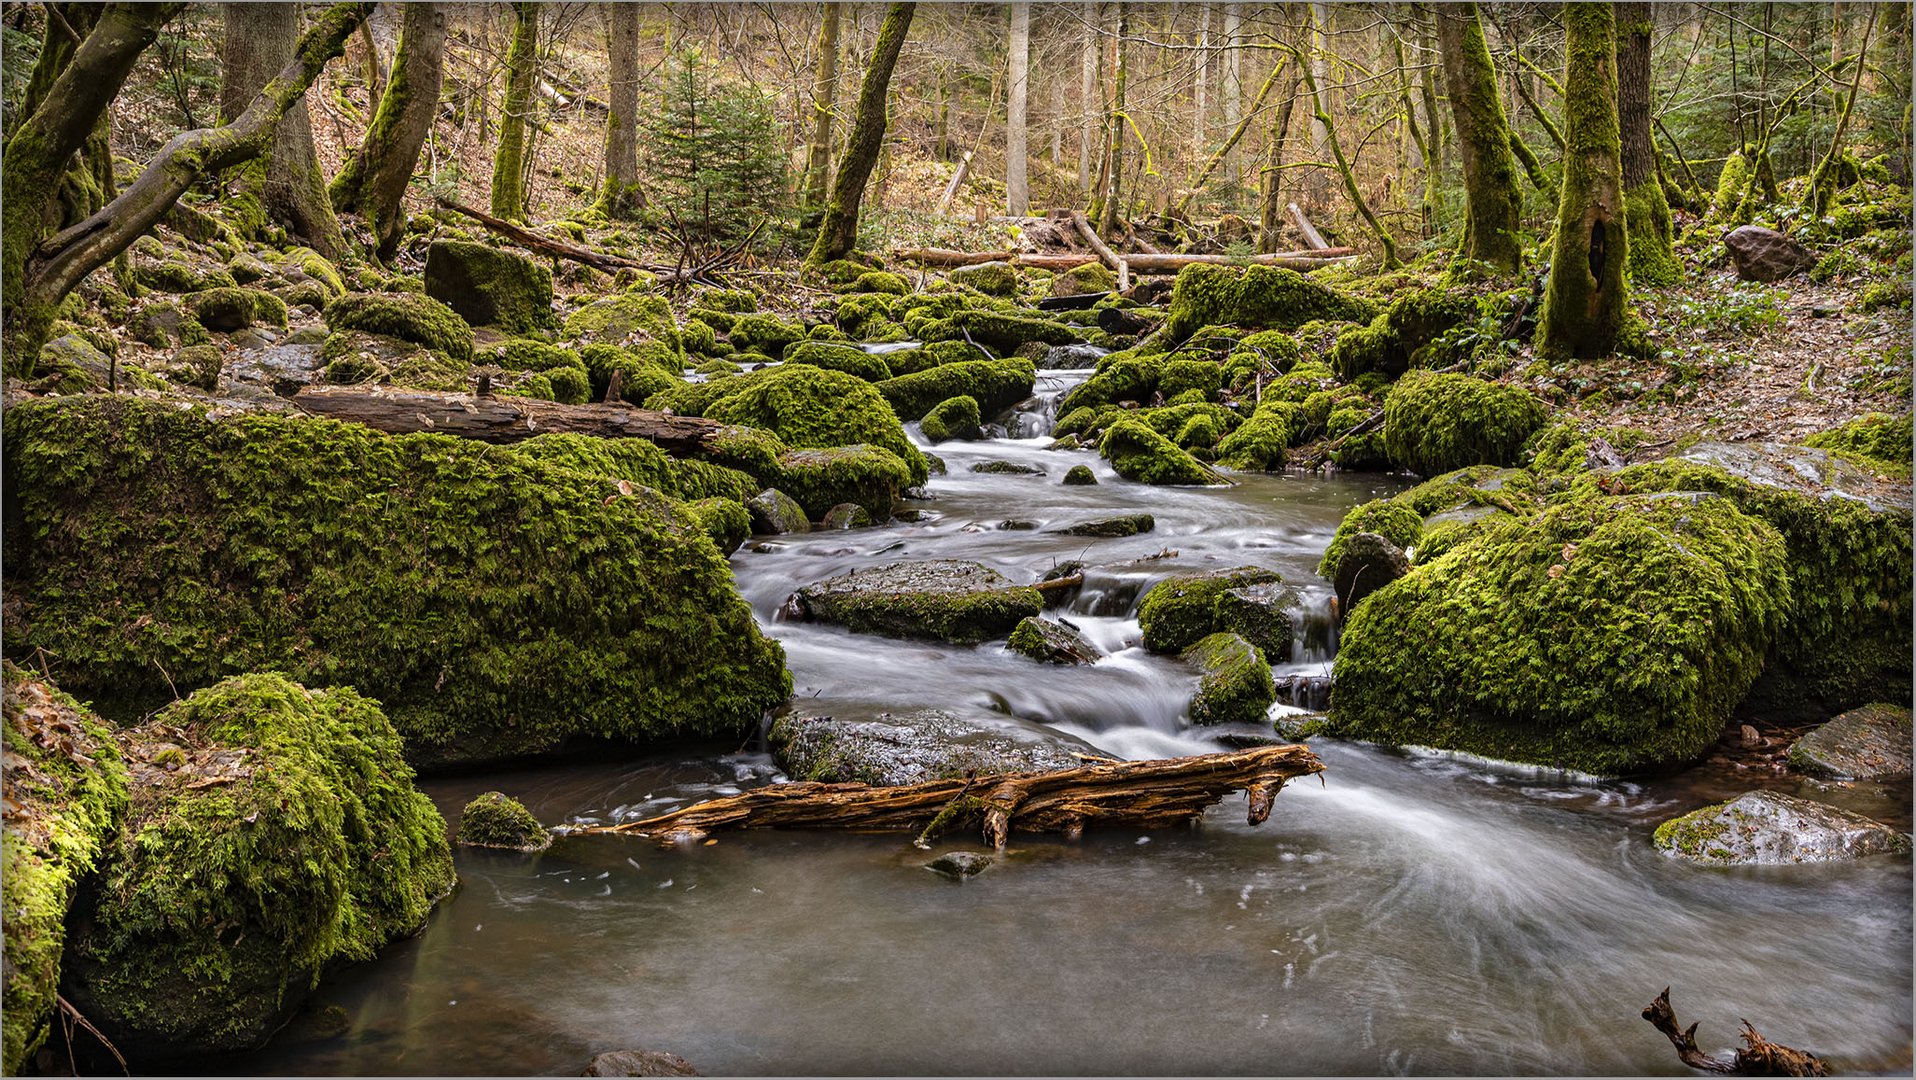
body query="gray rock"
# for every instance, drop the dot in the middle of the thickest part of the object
(941, 599)
(910, 748)
(1796, 468)
(1052, 642)
(1870, 743)
(1763, 827)
(959, 865)
(639, 1063)
(845, 516)
(1369, 563)
(1011, 468)
(283, 369)
(1123, 525)
(775, 512)
(1766, 255)
(1261, 615)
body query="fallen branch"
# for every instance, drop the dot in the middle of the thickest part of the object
(1759, 1058)
(1133, 794)
(1312, 237)
(1105, 254)
(1146, 263)
(558, 249)
(506, 419)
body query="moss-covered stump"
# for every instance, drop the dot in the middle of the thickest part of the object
(66, 792)
(952, 418)
(1606, 635)
(1869, 743)
(910, 748)
(940, 599)
(497, 604)
(1180, 610)
(496, 820)
(1051, 642)
(271, 831)
(1437, 423)
(996, 385)
(1267, 297)
(1764, 827)
(408, 316)
(628, 320)
(226, 310)
(1236, 685)
(490, 287)
(804, 407)
(1138, 453)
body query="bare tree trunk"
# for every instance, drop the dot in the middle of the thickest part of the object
(1271, 187)
(1433, 117)
(374, 180)
(1233, 82)
(522, 71)
(1087, 95)
(288, 186)
(1017, 187)
(1322, 112)
(1201, 81)
(1490, 171)
(838, 232)
(1647, 211)
(818, 158)
(1114, 172)
(1057, 123)
(1585, 302)
(621, 195)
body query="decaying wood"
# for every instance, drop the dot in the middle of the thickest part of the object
(1140, 264)
(505, 419)
(1760, 1057)
(945, 257)
(546, 245)
(1312, 237)
(1132, 794)
(1069, 581)
(1105, 254)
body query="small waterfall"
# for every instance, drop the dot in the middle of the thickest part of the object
(1306, 681)
(1034, 417)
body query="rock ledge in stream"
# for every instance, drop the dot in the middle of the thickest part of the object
(639, 1063)
(942, 599)
(910, 748)
(1870, 743)
(1052, 642)
(1763, 827)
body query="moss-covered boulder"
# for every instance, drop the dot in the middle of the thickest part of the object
(1138, 453)
(1266, 297)
(1091, 277)
(996, 385)
(1366, 563)
(773, 512)
(1393, 341)
(914, 747)
(846, 515)
(489, 286)
(636, 461)
(1051, 642)
(1606, 635)
(66, 793)
(1180, 610)
(940, 599)
(628, 319)
(1235, 686)
(1768, 828)
(820, 479)
(1397, 521)
(1080, 476)
(845, 358)
(1259, 444)
(991, 278)
(1436, 423)
(805, 407)
(498, 605)
(407, 316)
(496, 820)
(272, 831)
(352, 357)
(1118, 525)
(953, 418)
(226, 310)
(766, 334)
(1261, 614)
(1875, 440)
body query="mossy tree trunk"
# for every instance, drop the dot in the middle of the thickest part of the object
(374, 180)
(522, 71)
(1109, 213)
(1647, 211)
(818, 157)
(1823, 180)
(838, 231)
(1493, 231)
(1270, 184)
(1087, 94)
(1433, 118)
(621, 196)
(88, 180)
(1321, 111)
(49, 271)
(41, 150)
(287, 186)
(1584, 303)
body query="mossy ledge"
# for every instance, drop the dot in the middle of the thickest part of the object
(498, 605)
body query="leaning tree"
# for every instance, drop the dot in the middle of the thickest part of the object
(374, 179)
(838, 232)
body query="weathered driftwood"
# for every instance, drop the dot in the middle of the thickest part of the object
(1133, 794)
(1760, 1057)
(504, 420)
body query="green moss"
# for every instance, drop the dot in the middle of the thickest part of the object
(353, 356)
(880, 281)
(1436, 423)
(1121, 376)
(236, 308)
(495, 819)
(839, 358)
(66, 793)
(488, 286)
(768, 334)
(1605, 635)
(627, 319)
(727, 522)
(840, 271)
(177, 277)
(1647, 221)
(1090, 277)
(200, 365)
(315, 266)
(1391, 519)
(638, 461)
(1236, 686)
(407, 316)
(644, 370)
(953, 418)
(728, 300)
(1729, 190)
(1881, 442)
(992, 278)
(804, 407)
(1255, 296)
(819, 479)
(1838, 264)
(1392, 341)
(1138, 453)
(1884, 294)
(996, 385)
(497, 605)
(697, 338)
(1260, 442)
(524, 354)
(1181, 610)
(855, 313)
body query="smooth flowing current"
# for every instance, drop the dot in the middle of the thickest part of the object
(1409, 914)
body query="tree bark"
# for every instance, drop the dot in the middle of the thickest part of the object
(1322, 113)
(818, 157)
(1017, 186)
(1110, 211)
(1492, 233)
(287, 185)
(1233, 82)
(838, 232)
(374, 180)
(506, 419)
(1585, 301)
(522, 70)
(621, 195)
(1087, 97)
(1647, 211)
(1270, 184)
(1201, 79)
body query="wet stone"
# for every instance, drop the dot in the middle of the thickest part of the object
(775, 512)
(1080, 476)
(639, 1063)
(1008, 468)
(1869, 743)
(1764, 827)
(1017, 525)
(942, 599)
(845, 516)
(910, 748)
(1261, 615)
(1122, 525)
(1369, 563)
(959, 865)
(1052, 642)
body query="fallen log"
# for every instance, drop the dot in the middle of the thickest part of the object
(1132, 794)
(505, 419)
(1759, 1057)
(546, 245)
(1146, 263)
(945, 257)
(1312, 238)
(1105, 254)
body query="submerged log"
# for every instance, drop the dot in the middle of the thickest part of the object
(505, 419)
(1760, 1057)
(1133, 794)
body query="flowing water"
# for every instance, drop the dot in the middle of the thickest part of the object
(1411, 913)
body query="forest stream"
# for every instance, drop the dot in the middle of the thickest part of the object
(1410, 913)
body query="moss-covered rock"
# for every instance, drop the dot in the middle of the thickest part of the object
(66, 792)
(1871, 742)
(628, 319)
(768, 334)
(1259, 443)
(407, 316)
(175, 276)
(496, 820)
(996, 385)
(1051, 642)
(1260, 614)
(354, 356)
(1080, 476)
(1392, 342)
(1091, 277)
(1877, 440)
(953, 418)
(820, 479)
(496, 604)
(1120, 525)
(941, 599)
(1180, 610)
(646, 369)
(1769, 828)
(637, 461)
(805, 407)
(990, 278)
(911, 748)
(1436, 423)
(271, 831)
(489, 286)
(1236, 685)
(1397, 520)
(1138, 453)
(880, 281)
(1000, 330)
(1267, 297)
(226, 310)
(773, 512)
(1603, 634)
(199, 365)
(845, 358)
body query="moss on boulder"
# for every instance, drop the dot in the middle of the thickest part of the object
(628, 319)
(805, 407)
(940, 599)
(834, 357)
(1138, 453)
(1091, 277)
(496, 820)
(1877, 440)
(407, 316)
(953, 418)
(496, 604)
(488, 286)
(996, 278)
(766, 334)
(1436, 423)
(996, 385)
(236, 308)
(1393, 341)
(1236, 685)
(1267, 297)
(1180, 610)
(1000, 330)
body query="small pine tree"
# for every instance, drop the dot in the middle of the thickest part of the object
(712, 151)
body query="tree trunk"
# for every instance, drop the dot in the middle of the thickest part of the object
(1201, 79)
(1087, 96)
(1017, 187)
(1823, 179)
(838, 232)
(1647, 212)
(374, 180)
(818, 157)
(87, 183)
(1270, 185)
(522, 69)
(1584, 304)
(1113, 192)
(1433, 120)
(1491, 234)
(622, 196)
(1230, 142)
(287, 186)
(1233, 82)
(1322, 113)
